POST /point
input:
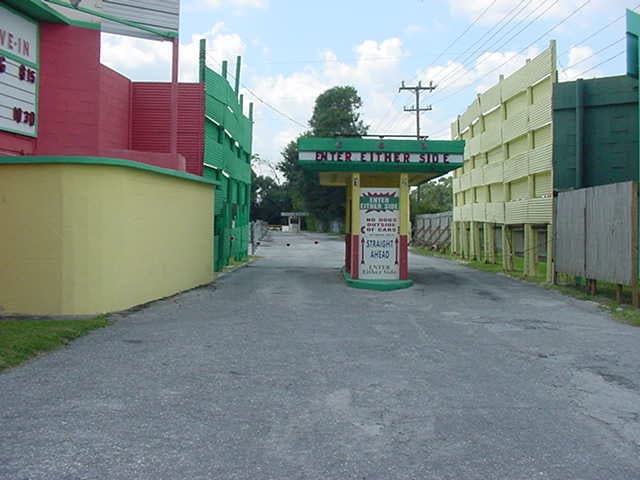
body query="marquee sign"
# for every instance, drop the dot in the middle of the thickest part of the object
(379, 234)
(19, 73)
(381, 157)
(367, 154)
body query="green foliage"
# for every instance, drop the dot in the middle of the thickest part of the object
(269, 199)
(335, 113)
(21, 340)
(435, 196)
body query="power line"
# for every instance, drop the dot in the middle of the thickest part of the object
(264, 102)
(451, 75)
(520, 51)
(498, 30)
(395, 98)
(595, 53)
(579, 43)
(465, 31)
(393, 120)
(518, 33)
(496, 45)
(603, 62)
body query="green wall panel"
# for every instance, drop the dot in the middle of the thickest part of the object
(609, 133)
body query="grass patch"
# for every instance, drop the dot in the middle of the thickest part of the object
(21, 340)
(606, 295)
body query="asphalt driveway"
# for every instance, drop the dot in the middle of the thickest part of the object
(280, 371)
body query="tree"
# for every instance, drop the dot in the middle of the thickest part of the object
(268, 199)
(435, 196)
(335, 113)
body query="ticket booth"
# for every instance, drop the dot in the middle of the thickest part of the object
(294, 221)
(377, 175)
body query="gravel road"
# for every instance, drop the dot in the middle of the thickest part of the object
(280, 371)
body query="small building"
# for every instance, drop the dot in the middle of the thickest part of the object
(103, 202)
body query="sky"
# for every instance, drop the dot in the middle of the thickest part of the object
(292, 51)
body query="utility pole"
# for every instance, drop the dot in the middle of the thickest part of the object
(416, 89)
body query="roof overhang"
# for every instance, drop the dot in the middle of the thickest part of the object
(38, 10)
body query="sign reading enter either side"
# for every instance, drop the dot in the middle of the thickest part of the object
(379, 234)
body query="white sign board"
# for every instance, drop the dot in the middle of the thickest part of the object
(379, 234)
(382, 157)
(19, 73)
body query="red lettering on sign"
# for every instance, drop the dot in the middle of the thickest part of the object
(3, 65)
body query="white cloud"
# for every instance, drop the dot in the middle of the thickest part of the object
(490, 65)
(135, 56)
(373, 73)
(451, 75)
(130, 53)
(580, 60)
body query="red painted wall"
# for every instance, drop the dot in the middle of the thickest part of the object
(150, 122)
(69, 101)
(114, 118)
(12, 144)
(86, 108)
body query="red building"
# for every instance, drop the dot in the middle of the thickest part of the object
(84, 108)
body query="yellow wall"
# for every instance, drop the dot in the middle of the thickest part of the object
(86, 239)
(516, 142)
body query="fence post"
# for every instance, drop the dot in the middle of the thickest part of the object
(551, 276)
(634, 245)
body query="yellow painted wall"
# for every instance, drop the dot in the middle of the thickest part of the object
(86, 239)
(516, 143)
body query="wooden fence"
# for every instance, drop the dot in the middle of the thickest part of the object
(433, 229)
(595, 234)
